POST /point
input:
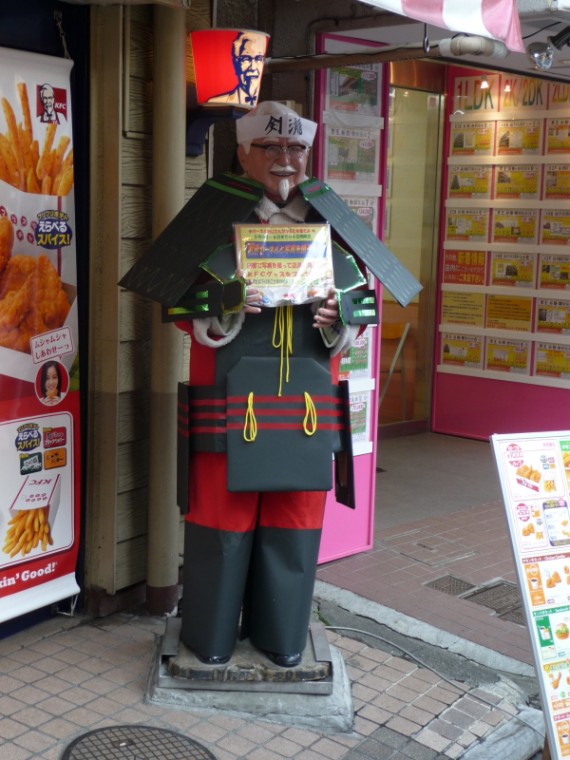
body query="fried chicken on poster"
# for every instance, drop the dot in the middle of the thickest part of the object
(32, 298)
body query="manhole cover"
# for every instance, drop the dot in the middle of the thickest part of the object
(501, 597)
(450, 585)
(141, 742)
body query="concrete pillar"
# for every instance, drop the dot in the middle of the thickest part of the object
(169, 127)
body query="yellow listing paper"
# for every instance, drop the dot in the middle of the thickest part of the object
(290, 265)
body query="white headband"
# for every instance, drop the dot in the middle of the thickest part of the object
(271, 119)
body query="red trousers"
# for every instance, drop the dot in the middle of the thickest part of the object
(213, 506)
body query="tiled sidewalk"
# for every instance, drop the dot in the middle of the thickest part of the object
(470, 545)
(66, 677)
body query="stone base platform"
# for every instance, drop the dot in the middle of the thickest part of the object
(315, 693)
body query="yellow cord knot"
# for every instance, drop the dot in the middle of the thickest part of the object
(310, 420)
(283, 340)
(250, 425)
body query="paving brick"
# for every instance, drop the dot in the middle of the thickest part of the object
(388, 702)
(59, 728)
(480, 728)
(373, 681)
(363, 726)
(283, 747)
(264, 753)
(415, 751)
(403, 726)
(301, 736)
(8, 684)
(447, 694)
(472, 707)
(390, 737)
(467, 739)
(360, 691)
(455, 751)
(429, 704)
(375, 714)
(376, 655)
(457, 718)
(432, 740)
(9, 705)
(329, 748)
(238, 745)
(35, 741)
(402, 693)
(372, 750)
(208, 732)
(10, 728)
(224, 754)
(310, 754)
(415, 714)
(448, 730)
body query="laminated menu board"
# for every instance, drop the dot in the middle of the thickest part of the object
(534, 470)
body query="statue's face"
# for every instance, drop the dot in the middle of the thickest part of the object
(249, 66)
(278, 170)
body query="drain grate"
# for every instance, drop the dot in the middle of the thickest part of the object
(515, 615)
(141, 742)
(450, 585)
(502, 597)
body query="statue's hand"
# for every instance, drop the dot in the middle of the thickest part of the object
(327, 313)
(252, 296)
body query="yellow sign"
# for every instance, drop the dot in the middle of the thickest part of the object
(470, 182)
(467, 224)
(289, 265)
(518, 138)
(552, 360)
(506, 355)
(462, 350)
(516, 182)
(514, 226)
(463, 308)
(515, 269)
(509, 313)
(555, 228)
(558, 136)
(555, 272)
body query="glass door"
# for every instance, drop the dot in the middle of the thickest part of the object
(411, 229)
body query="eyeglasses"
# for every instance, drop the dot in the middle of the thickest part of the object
(275, 151)
(249, 59)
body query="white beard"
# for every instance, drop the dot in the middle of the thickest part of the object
(284, 188)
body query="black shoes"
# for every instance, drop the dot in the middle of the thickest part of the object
(213, 659)
(284, 660)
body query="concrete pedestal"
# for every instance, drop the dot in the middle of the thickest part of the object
(316, 693)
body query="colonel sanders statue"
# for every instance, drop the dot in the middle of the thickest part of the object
(263, 412)
(256, 551)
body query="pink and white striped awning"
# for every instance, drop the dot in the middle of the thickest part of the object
(496, 19)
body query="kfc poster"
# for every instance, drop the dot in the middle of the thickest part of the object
(39, 380)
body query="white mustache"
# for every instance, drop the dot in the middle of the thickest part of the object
(283, 171)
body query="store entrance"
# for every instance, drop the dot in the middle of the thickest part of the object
(411, 229)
